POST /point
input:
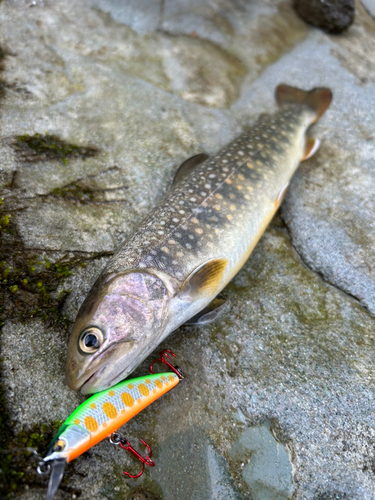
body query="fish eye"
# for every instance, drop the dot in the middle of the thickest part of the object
(59, 445)
(90, 340)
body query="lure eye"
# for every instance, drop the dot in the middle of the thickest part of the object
(59, 445)
(90, 340)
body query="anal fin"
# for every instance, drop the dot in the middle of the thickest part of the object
(281, 195)
(311, 147)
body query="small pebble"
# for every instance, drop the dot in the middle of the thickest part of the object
(333, 16)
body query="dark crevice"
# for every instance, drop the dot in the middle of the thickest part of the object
(320, 275)
(38, 147)
(83, 253)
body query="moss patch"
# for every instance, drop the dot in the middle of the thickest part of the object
(17, 463)
(31, 286)
(38, 147)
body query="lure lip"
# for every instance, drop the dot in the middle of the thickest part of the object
(57, 473)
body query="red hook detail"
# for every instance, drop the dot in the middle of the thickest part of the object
(165, 353)
(124, 443)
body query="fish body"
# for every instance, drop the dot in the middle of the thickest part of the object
(191, 245)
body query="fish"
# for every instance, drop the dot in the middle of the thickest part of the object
(99, 417)
(172, 267)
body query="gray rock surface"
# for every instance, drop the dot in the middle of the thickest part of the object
(286, 378)
(369, 5)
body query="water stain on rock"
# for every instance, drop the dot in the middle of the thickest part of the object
(356, 51)
(265, 463)
(189, 65)
(141, 493)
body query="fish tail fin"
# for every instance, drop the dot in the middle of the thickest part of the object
(317, 99)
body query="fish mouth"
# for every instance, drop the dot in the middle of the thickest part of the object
(81, 387)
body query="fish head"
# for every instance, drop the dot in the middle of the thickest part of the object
(122, 314)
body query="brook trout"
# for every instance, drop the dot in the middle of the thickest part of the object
(183, 254)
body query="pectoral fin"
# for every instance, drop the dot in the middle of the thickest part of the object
(311, 147)
(205, 280)
(188, 166)
(210, 313)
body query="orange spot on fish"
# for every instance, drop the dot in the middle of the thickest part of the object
(199, 230)
(171, 377)
(127, 399)
(162, 377)
(241, 177)
(109, 410)
(158, 384)
(194, 220)
(217, 207)
(239, 188)
(228, 181)
(111, 393)
(93, 406)
(77, 421)
(218, 196)
(148, 381)
(232, 207)
(250, 165)
(91, 424)
(229, 217)
(130, 386)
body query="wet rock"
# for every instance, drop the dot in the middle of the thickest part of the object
(148, 86)
(333, 16)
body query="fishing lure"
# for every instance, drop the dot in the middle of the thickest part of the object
(101, 415)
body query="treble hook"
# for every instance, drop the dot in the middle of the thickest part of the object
(116, 438)
(165, 353)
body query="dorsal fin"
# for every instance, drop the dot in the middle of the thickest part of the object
(186, 168)
(204, 280)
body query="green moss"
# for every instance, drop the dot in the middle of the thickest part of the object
(4, 221)
(74, 191)
(38, 147)
(30, 282)
(17, 463)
